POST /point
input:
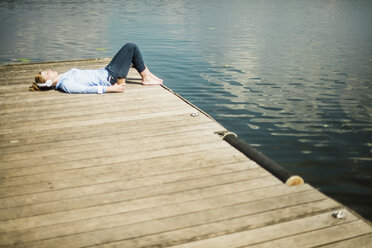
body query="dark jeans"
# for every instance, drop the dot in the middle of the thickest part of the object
(120, 63)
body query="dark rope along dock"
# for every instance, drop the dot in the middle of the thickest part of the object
(146, 168)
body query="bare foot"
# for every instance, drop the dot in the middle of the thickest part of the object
(150, 79)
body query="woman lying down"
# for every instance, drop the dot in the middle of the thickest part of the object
(105, 80)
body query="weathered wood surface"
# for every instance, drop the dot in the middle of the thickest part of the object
(137, 170)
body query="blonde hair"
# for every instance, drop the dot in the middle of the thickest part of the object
(38, 80)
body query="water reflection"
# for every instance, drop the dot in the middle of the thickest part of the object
(51, 30)
(292, 78)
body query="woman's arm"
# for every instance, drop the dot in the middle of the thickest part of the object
(116, 88)
(71, 87)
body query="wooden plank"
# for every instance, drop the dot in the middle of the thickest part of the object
(104, 159)
(363, 241)
(26, 142)
(86, 190)
(70, 107)
(98, 179)
(129, 139)
(25, 66)
(111, 136)
(323, 236)
(105, 187)
(142, 166)
(261, 235)
(140, 171)
(94, 120)
(90, 151)
(126, 206)
(37, 99)
(47, 173)
(133, 125)
(31, 113)
(85, 116)
(130, 126)
(108, 142)
(168, 217)
(107, 180)
(246, 216)
(118, 196)
(15, 68)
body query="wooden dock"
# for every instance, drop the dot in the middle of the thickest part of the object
(139, 170)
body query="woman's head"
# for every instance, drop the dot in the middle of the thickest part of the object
(39, 79)
(42, 77)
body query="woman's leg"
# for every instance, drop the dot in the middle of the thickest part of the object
(120, 64)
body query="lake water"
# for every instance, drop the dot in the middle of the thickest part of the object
(291, 77)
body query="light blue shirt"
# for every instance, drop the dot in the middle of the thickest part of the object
(84, 81)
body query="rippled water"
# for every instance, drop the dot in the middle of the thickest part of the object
(290, 77)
